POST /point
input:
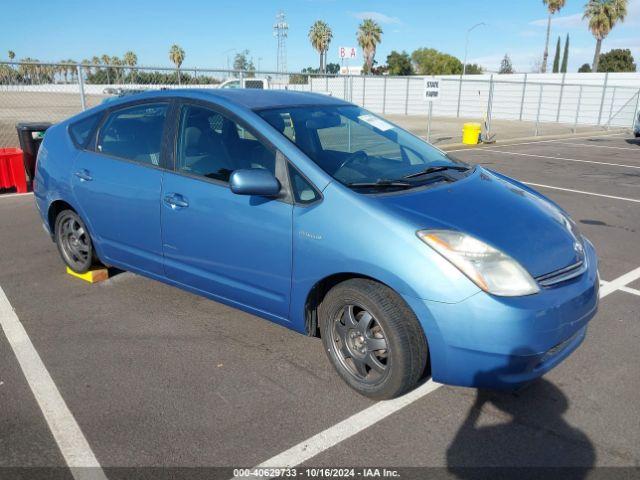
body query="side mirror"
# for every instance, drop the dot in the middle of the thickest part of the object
(254, 182)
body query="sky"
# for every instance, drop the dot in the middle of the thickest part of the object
(210, 31)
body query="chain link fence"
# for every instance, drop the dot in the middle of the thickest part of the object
(516, 105)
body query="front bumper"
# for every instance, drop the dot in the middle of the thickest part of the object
(505, 342)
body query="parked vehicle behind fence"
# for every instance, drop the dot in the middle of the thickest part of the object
(320, 216)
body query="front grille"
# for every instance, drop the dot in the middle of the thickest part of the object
(562, 275)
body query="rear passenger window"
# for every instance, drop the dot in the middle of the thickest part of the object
(81, 130)
(134, 133)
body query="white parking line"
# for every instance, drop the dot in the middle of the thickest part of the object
(560, 158)
(377, 412)
(506, 144)
(624, 288)
(65, 430)
(633, 291)
(619, 282)
(626, 199)
(599, 146)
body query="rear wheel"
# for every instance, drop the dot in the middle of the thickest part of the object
(372, 338)
(74, 242)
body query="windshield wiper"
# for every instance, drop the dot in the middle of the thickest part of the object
(439, 168)
(382, 183)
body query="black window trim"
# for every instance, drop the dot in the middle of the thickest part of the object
(173, 132)
(162, 165)
(92, 133)
(320, 196)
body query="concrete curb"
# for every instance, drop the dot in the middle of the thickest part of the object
(462, 146)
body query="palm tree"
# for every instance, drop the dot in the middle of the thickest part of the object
(71, 67)
(320, 36)
(95, 61)
(12, 55)
(602, 16)
(131, 60)
(116, 62)
(369, 36)
(106, 59)
(176, 55)
(553, 6)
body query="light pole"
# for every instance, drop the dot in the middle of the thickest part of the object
(464, 64)
(226, 52)
(466, 45)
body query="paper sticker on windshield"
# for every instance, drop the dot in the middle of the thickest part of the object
(376, 122)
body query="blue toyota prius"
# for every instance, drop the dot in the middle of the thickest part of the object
(325, 218)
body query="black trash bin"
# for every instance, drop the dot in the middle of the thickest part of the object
(30, 135)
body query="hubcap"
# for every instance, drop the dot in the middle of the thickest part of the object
(360, 344)
(75, 242)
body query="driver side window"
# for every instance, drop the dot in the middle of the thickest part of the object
(213, 146)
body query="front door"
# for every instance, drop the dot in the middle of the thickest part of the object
(234, 247)
(118, 186)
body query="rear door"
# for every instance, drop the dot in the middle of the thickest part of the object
(117, 186)
(234, 247)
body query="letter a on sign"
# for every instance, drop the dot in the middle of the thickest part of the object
(347, 52)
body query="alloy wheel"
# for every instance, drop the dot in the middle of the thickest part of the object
(75, 243)
(360, 344)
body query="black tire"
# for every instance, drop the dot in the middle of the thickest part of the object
(349, 344)
(73, 241)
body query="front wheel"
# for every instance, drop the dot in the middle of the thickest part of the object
(372, 338)
(73, 241)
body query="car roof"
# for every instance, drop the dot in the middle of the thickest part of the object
(252, 98)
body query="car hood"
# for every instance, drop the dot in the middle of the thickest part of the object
(499, 211)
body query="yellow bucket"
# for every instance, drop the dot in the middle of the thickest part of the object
(471, 133)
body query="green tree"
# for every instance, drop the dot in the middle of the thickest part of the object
(333, 68)
(177, 56)
(242, 62)
(505, 65)
(565, 56)
(602, 16)
(12, 55)
(556, 58)
(585, 68)
(95, 60)
(399, 63)
(320, 36)
(617, 60)
(474, 69)
(429, 61)
(130, 59)
(117, 63)
(369, 35)
(553, 6)
(106, 60)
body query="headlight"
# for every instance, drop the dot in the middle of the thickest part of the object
(490, 269)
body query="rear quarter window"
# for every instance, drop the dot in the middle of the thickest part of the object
(81, 130)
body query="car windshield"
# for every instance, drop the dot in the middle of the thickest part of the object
(361, 149)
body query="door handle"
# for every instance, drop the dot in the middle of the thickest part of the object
(175, 200)
(83, 175)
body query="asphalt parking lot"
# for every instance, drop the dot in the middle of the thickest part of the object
(134, 373)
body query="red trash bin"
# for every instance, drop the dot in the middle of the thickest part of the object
(12, 172)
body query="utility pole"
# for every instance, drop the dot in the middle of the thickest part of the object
(281, 31)
(464, 64)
